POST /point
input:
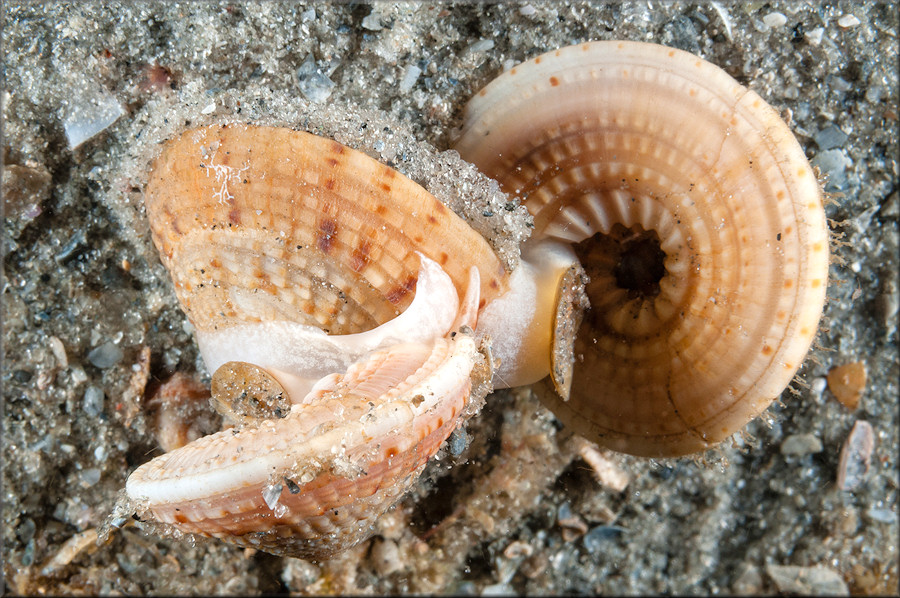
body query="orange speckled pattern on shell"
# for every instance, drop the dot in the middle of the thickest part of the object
(336, 464)
(262, 223)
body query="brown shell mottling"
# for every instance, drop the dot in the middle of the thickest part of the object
(610, 141)
(261, 223)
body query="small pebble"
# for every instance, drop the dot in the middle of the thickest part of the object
(482, 45)
(534, 566)
(814, 37)
(90, 477)
(91, 109)
(882, 515)
(59, 351)
(498, 589)
(517, 549)
(847, 382)
(890, 208)
(830, 137)
(807, 581)
(856, 456)
(833, 163)
(93, 401)
(597, 537)
(817, 387)
(847, 21)
(775, 20)
(801, 444)
(573, 528)
(24, 191)
(887, 304)
(409, 77)
(26, 529)
(385, 557)
(749, 582)
(271, 494)
(313, 84)
(372, 21)
(106, 355)
(457, 442)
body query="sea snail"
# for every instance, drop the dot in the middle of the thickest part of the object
(696, 217)
(335, 299)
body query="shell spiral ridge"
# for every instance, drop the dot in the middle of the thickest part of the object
(696, 217)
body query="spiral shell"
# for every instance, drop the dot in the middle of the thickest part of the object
(697, 218)
(338, 297)
(314, 482)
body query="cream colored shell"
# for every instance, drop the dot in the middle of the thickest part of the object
(609, 139)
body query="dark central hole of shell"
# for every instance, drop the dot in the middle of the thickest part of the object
(630, 256)
(641, 265)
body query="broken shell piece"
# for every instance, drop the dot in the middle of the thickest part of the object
(856, 456)
(606, 472)
(847, 382)
(180, 413)
(697, 218)
(70, 550)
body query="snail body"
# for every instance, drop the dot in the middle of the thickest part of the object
(696, 217)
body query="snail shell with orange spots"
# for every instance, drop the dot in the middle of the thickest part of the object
(697, 218)
(336, 285)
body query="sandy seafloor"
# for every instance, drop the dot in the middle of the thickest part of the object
(518, 511)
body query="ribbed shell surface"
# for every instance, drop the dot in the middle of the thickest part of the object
(336, 465)
(260, 223)
(651, 138)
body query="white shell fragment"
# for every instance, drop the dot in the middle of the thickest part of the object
(90, 110)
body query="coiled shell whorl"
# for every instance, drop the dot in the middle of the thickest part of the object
(697, 218)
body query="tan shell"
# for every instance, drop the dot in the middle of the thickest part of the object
(611, 142)
(262, 223)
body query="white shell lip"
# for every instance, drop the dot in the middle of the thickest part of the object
(298, 355)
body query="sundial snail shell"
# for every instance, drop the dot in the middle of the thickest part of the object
(697, 218)
(335, 286)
